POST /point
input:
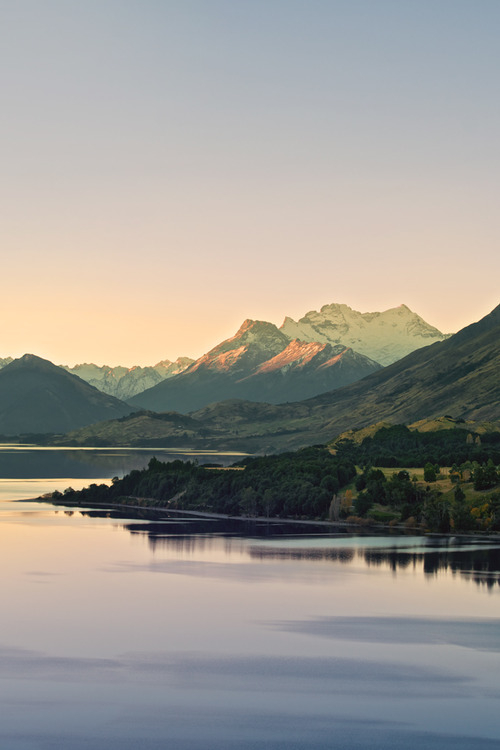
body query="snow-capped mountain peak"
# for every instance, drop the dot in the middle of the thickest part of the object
(382, 336)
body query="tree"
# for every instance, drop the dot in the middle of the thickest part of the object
(268, 502)
(437, 512)
(485, 476)
(248, 502)
(363, 503)
(461, 515)
(334, 511)
(429, 473)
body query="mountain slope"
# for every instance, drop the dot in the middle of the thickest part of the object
(383, 336)
(258, 362)
(303, 370)
(37, 396)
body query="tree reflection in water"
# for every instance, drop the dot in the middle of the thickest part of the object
(477, 560)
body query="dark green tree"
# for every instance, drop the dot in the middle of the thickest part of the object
(460, 514)
(429, 473)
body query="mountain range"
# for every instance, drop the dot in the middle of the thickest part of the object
(259, 363)
(322, 351)
(458, 376)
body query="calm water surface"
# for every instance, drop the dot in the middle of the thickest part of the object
(127, 631)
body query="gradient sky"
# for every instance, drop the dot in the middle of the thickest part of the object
(172, 167)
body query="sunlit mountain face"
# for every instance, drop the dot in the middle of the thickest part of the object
(259, 363)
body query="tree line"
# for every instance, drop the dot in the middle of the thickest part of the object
(297, 484)
(399, 446)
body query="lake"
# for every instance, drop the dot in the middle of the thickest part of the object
(124, 629)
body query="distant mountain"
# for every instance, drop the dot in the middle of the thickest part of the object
(458, 377)
(36, 396)
(383, 336)
(258, 363)
(125, 382)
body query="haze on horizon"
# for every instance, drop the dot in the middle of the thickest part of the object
(172, 168)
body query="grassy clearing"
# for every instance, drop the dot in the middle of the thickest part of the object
(475, 510)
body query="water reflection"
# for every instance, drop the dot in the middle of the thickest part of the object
(481, 565)
(125, 628)
(475, 560)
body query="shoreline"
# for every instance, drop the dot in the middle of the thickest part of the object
(374, 527)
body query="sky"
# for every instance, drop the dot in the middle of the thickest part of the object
(172, 167)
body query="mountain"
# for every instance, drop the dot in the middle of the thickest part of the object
(126, 382)
(36, 396)
(458, 377)
(258, 363)
(323, 351)
(383, 336)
